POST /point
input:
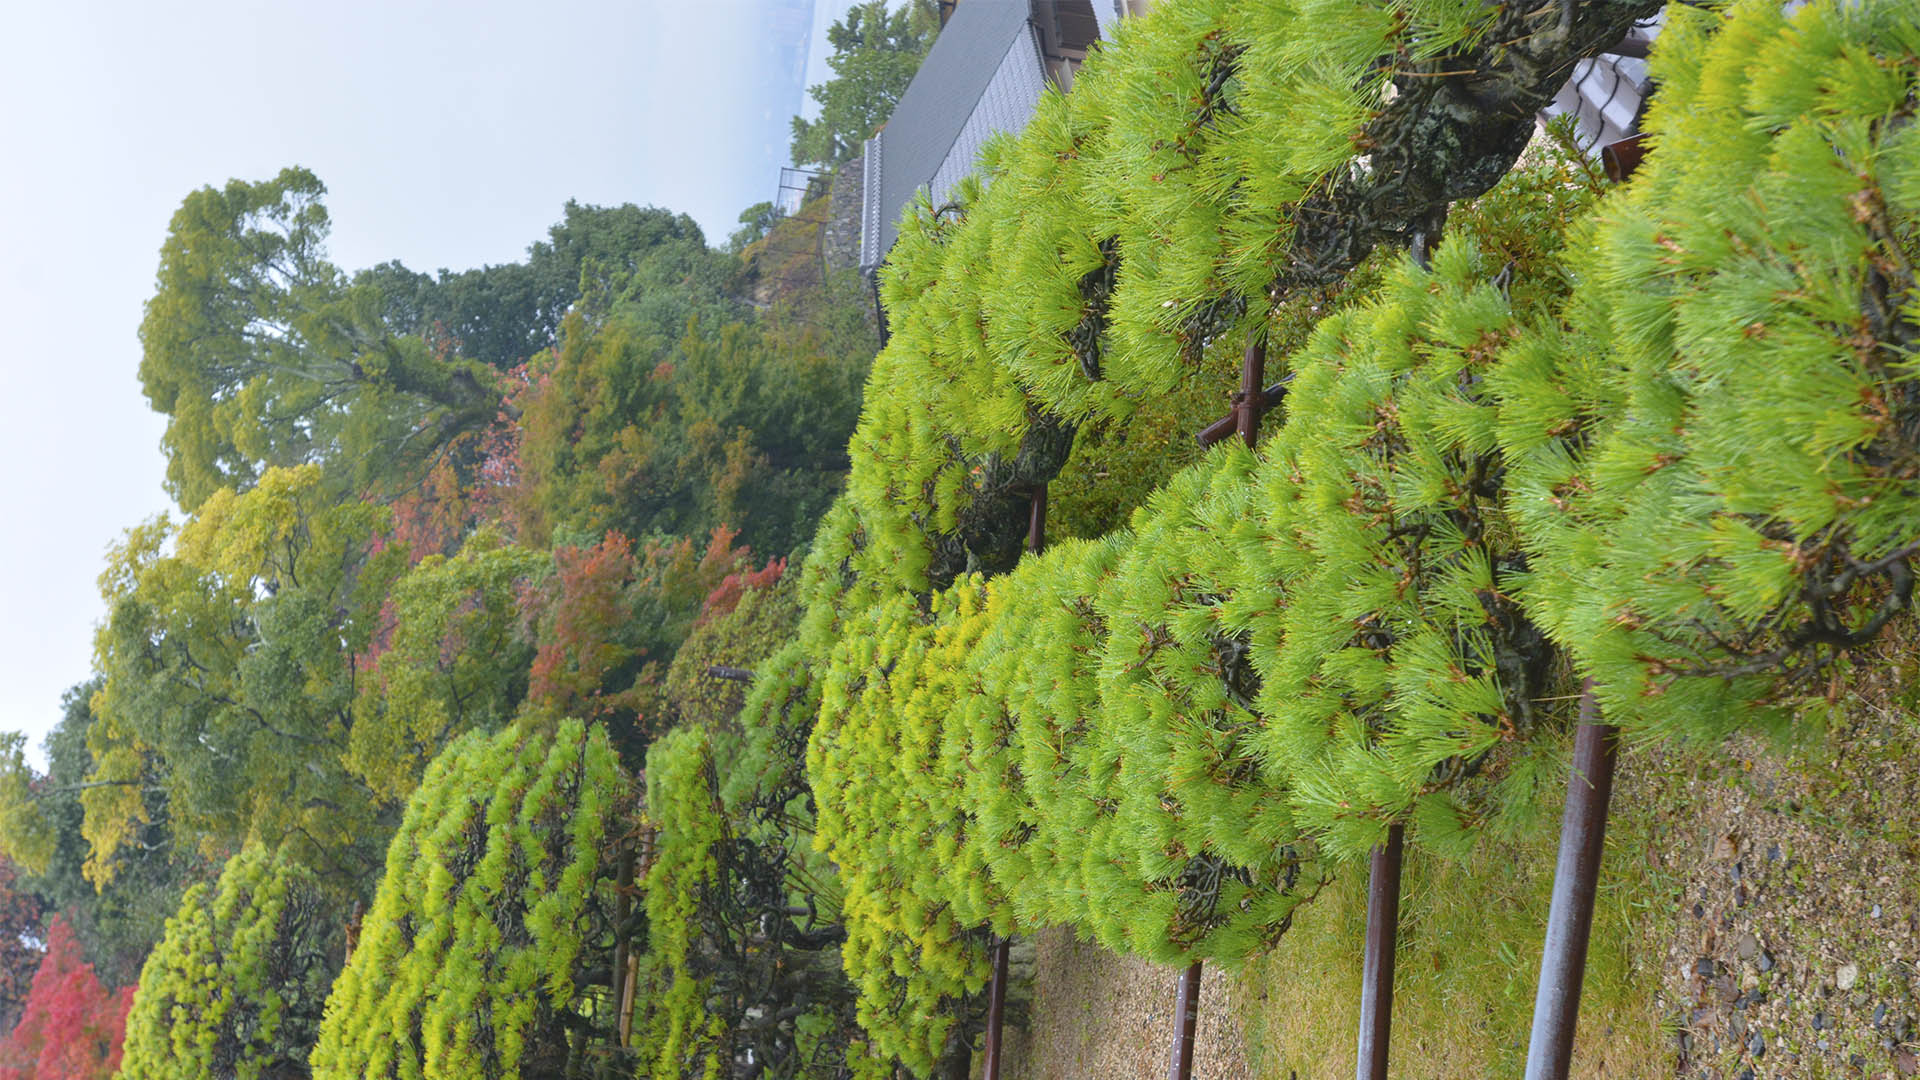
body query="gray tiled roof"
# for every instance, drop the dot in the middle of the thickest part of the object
(1604, 94)
(983, 75)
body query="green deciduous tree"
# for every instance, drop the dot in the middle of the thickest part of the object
(755, 222)
(503, 315)
(632, 431)
(261, 353)
(228, 675)
(875, 53)
(118, 917)
(454, 659)
(27, 837)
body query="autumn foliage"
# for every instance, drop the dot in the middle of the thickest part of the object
(73, 1026)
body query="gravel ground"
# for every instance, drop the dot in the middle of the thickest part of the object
(1793, 951)
(1098, 1016)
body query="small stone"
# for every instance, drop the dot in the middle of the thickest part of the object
(1699, 911)
(1773, 852)
(1703, 967)
(1737, 1027)
(1819, 1021)
(1746, 1074)
(1846, 976)
(1876, 912)
(1736, 872)
(1823, 1045)
(1766, 961)
(1879, 1014)
(1748, 946)
(1757, 1046)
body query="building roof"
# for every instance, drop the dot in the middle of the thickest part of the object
(1605, 94)
(983, 75)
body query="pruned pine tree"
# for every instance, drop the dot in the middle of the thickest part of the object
(745, 933)
(235, 989)
(1677, 454)
(1715, 457)
(488, 948)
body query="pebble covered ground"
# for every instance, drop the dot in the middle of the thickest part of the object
(1793, 953)
(1098, 1016)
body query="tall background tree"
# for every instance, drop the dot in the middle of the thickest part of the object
(875, 53)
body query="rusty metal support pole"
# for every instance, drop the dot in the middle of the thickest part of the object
(622, 950)
(1251, 401)
(1186, 1013)
(996, 1006)
(1383, 934)
(1576, 883)
(997, 989)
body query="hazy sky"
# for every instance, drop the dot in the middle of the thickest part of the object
(449, 135)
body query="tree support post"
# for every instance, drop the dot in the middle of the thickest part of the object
(1383, 934)
(997, 989)
(623, 946)
(1250, 402)
(1186, 1013)
(1247, 408)
(996, 1007)
(1576, 881)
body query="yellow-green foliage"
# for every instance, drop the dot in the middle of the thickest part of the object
(760, 624)
(1725, 433)
(688, 1040)
(453, 662)
(723, 885)
(1686, 445)
(1092, 262)
(227, 654)
(468, 960)
(234, 990)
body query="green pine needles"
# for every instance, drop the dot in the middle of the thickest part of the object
(1716, 457)
(477, 956)
(234, 991)
(1668, 440)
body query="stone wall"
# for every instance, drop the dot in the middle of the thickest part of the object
(840, 235)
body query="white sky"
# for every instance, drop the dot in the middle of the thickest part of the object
(449, 135)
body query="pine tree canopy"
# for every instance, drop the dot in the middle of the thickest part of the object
(234, 990)
(485, 950)
(1665, 436)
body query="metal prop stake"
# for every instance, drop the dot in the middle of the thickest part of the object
(1576, 883)
(1383, 933)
